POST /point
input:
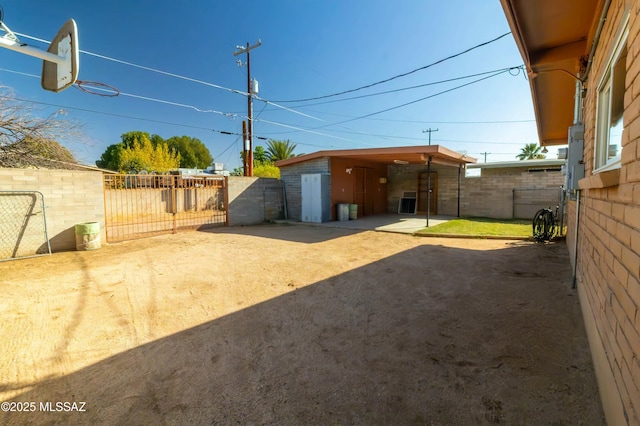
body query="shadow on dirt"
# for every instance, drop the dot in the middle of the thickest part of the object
(307, 234)
(443, 336)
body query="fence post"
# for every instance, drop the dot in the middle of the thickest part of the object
(174, 202)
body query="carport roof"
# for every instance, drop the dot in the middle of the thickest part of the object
(390, 155)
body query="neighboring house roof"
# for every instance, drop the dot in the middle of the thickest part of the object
(555, 38)
(391, 155)
(518, 163)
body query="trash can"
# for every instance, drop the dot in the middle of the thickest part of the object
(343, 212)
(353, 211)
(87, 236)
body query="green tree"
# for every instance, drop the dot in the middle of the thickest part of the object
(110, 158)
(266, 170)
(193, 153)
(136, 152)
(531, 151)
(280, 150)
(259, 156)
(129, 138)
(262, 165)
(142, 155)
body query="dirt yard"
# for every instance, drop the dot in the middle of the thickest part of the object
(281, 324)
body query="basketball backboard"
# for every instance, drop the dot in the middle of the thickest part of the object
(57, 76)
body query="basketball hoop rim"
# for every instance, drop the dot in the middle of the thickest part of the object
(95, 88)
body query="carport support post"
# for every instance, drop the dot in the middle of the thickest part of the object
(459, 174)
(428, 188)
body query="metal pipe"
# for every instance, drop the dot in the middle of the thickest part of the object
(32, 51)
(596, 38)
(575, 245)
(577, 105)
(459, 174)
(428, 189)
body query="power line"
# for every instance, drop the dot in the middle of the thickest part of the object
(417, 100)
(297, 129)
(226, 114)
(300, 129)
(405, 104)
(393, 120)
(413, 87)
(399, 75)
(222, 132)
(170, 74)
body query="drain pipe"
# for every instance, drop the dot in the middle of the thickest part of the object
(596, 38)
(575, 245)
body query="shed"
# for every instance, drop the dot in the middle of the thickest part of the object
(375, 179)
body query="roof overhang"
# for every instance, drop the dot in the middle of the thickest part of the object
(393, 155)
(554, 38)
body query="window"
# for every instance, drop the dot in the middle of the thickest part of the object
(472, 173)
(610, 106)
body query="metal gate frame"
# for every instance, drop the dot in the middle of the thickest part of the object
(140, 206)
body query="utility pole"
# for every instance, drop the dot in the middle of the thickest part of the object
(485, 155)
(248, 150)
(429, 130)
(245, 147)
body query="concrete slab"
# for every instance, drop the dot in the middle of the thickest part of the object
(402, 224)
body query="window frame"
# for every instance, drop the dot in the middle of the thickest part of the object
(601, 162)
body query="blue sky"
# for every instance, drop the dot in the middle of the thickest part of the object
(310, 48)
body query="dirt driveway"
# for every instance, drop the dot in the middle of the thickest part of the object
(281, 324)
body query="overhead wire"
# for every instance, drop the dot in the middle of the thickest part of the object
(222, 132)
(226, 114)
(386, 80)
(170, 74)
(507, 69)
(404, 104)
(269, 102)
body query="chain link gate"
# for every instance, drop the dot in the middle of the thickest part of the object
(23, 225)
(139, 206)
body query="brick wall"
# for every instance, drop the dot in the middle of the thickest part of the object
(608, 265)
(254, 200)
(291, 177)
(70, 197)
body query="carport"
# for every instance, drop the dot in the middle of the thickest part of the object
(377, 179)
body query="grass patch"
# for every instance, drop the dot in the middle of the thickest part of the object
(482, 226)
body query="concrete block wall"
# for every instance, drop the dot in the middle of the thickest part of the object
(70, 197)
(608, 262)
(402, 178)
(491, 194)
(254, 200)
(291, 177)
(448, 190)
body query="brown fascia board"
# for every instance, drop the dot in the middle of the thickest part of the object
(425, 151)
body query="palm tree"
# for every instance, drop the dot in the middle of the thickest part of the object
(531, 151)
(280, 150)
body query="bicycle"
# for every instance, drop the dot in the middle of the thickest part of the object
(545, 224)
